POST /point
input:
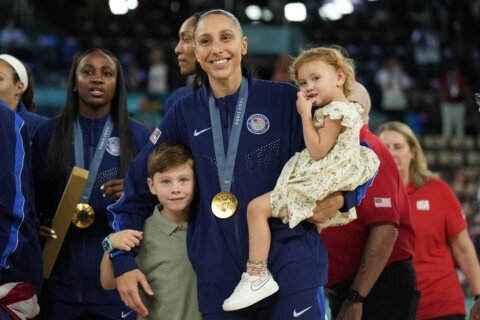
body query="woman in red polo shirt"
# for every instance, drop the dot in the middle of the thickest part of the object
(440, 226)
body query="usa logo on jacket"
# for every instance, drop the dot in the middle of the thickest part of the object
(258, 124)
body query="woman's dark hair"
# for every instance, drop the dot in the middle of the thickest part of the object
(199, 77)
(60, 150)
(200, 74)
(27, 95)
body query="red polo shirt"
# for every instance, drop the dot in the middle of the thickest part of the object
(385, 201)
(437, 215)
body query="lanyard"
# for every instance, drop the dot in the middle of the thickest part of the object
(97, 157)
(226, 165)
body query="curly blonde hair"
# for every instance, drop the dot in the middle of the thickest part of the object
(335, 56)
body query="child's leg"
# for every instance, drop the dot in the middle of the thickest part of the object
(256, 284)
(258, 212)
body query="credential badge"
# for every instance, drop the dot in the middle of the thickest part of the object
(423, 205)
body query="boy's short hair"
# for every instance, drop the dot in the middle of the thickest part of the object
(335, 56)
(168, 155)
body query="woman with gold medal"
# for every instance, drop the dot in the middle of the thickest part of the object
(241, 132)
(92, 132)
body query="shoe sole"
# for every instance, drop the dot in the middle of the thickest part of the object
(251, 299)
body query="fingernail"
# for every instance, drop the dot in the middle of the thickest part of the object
(103, 195)
(52, 231)
(101, 187)
(54, 236)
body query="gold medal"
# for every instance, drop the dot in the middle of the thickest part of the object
(83, 216)
(224, 205)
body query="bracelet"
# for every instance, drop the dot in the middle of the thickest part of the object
(476, 297)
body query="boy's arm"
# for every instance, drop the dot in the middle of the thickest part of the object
(106, 273)
(125, 240)
(122, 240)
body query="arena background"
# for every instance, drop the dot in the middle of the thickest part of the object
(48, 33)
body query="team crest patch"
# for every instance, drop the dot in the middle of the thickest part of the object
(155, 135)
(113, 146)
(258, 124)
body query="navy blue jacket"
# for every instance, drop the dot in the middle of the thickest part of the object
(32, 120)
(217, 248)
(177, 95)
(75, 276)
(21, 258)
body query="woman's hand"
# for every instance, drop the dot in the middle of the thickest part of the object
(46, 232)
(327, 208)
(113, 189)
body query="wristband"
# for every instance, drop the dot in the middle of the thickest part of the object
(354, 296)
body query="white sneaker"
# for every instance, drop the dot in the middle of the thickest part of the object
(250, 290)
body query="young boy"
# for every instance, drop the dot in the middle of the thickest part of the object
(163, 254)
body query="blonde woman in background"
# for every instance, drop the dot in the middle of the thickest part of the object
(441, 229)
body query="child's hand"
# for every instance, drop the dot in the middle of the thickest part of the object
(126, 239)
(304, 105)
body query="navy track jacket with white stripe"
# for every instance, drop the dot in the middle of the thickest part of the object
(21, 258)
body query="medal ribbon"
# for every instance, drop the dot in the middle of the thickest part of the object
(97, 157)
(226, 165)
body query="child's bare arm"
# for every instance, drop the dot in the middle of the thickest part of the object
(318, 141)
(123, 240)
(324, 138)
(107, 278)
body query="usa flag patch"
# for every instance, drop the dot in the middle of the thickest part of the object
(383, 203)
(155, 135)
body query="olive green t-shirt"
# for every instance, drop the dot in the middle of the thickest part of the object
(164, 261)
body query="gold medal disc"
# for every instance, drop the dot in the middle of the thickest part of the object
(83, 216)
(224, 205)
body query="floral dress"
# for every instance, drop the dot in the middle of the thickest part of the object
(347, 165)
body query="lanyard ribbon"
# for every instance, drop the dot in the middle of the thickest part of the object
(97, 157)
(226, 165)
